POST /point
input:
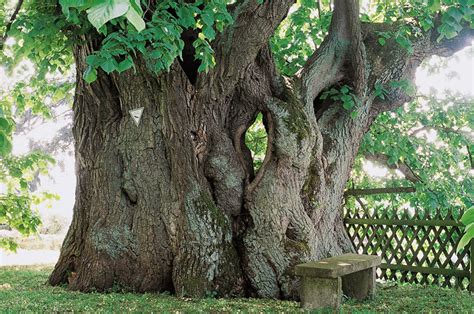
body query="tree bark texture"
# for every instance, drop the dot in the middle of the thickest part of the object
(174, 204)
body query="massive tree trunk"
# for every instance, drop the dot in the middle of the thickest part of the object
(174, 204)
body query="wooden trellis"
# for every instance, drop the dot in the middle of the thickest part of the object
(417, 249)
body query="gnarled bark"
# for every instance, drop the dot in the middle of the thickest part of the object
(174, 203)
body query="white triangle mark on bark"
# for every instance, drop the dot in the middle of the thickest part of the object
(136, 115)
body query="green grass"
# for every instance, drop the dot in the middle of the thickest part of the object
(24, 289)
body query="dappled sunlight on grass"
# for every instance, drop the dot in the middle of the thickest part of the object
(25, 289)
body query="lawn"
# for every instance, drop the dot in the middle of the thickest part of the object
(24, 289)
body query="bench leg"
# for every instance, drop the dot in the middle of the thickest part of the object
(360, 285)
(321, 293)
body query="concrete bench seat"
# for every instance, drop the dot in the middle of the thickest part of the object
(324, 281)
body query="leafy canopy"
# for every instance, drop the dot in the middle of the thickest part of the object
(158, 38)
(127, 28)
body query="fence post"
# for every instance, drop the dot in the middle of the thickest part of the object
(471, 256)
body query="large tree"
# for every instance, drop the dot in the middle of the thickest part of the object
(174, 203)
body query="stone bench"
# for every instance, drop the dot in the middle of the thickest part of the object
(324, 281)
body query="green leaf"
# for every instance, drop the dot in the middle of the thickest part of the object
(203, 67)
(5, 125)
(349, 104)
(8, 244)
(208, 18)
(125, 65)
(90, 75)
(392, 160)
(186, 17)
(5, 145)
(434, 5)
(23, 184)
(427, 24)
(66, 4)
(455, 13)
(344, 89)
(136, 6)
(381, 41)
(466, 238)
(468, 217)
(446, 31)
(109, 65)
(16, 172)
(107, 10)
(354, 114)
(92, 59)
(209, 32)
(405, 43)
(135, 19)
(20, 102)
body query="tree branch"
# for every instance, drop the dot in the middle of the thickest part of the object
(448, 47)
(357, 52)
(392, 62)
(467, 135)
(9, 24)
(471, 160)
(343, 42)
(239, 45)
(319, 5)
